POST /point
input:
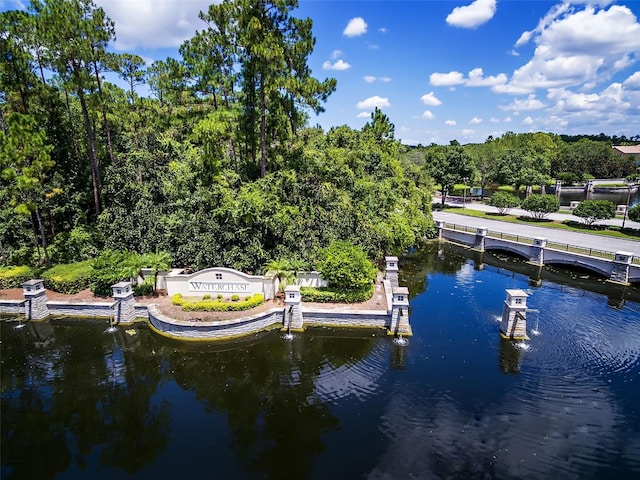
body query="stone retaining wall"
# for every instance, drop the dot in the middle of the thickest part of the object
(364, 318)
(81, 309)
(194, 330)
(12, 307)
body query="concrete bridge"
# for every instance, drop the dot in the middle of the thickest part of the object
(620, 267)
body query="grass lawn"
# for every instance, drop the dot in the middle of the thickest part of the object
(628, 234)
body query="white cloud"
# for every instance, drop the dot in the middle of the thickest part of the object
(337, 65)
(527, 121)
(477, 79)
(450, 122)
(633, 82)
(467, 132)
(356, 27)
(382, 30)
(494, 120)
(430, 100)
(473, 15)
(446, 79)
(153, 23)
(371, 79)
(364, 115)
(530, 103)
(428, 115)
(577, 47)
(373, 102)
(475, 121)
(336, 54)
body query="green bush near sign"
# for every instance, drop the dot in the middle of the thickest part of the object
(68, 278)
(335, 295)
(208, 305)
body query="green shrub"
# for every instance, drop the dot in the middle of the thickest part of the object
(503, 201)
(593, 210)
(68, 278)
(539, 206)
(218, 306)
(219, 297)
(235, 298)
(144, 289)
(346, 266)
(206, 296)
(14, 277)
(108, 268)
(177, 299)
(334, 295)
(568, 178)
(634, 213)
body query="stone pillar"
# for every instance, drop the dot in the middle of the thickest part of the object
(125, 306)
(400, 312)
(478, 261)
(35, 300)
(292, 308)
(537, 251)
(588, 189)
(558, 188)
(514, 316)
(440, 227)
(620, 270)
(392, 270)
(481, 235)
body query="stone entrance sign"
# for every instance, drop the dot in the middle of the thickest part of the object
(218, 280)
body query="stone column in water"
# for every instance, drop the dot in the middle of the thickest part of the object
(620, 270)
(514, 315)
(392, 270)
(125, 307)
(481, 236)
(440, 227)
(537, 251)
(400, 312)
(35, 305)
(292, 309)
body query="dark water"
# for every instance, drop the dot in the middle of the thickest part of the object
(619, 198)
(456, 402)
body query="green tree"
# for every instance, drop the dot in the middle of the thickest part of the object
(25, 161)
(634, 213)
(75, 35)
(159, 262)
(540, 206)
(280, 269)
(448, 165)
(593, 210)
(504, 201)
(346, 266)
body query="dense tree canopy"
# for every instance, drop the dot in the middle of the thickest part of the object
(218, 166)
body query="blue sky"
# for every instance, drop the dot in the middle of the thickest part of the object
(448, 69)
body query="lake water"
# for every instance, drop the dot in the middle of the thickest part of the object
(456, 402)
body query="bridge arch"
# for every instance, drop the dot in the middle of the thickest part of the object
(576, 263)
(508, 249)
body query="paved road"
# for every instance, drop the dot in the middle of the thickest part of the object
(608, 244)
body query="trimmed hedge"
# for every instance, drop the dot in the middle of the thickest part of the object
(217, 305)
(68, 278)
(14, 277)
(335, 295)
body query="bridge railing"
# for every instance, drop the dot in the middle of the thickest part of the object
(591, 252)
